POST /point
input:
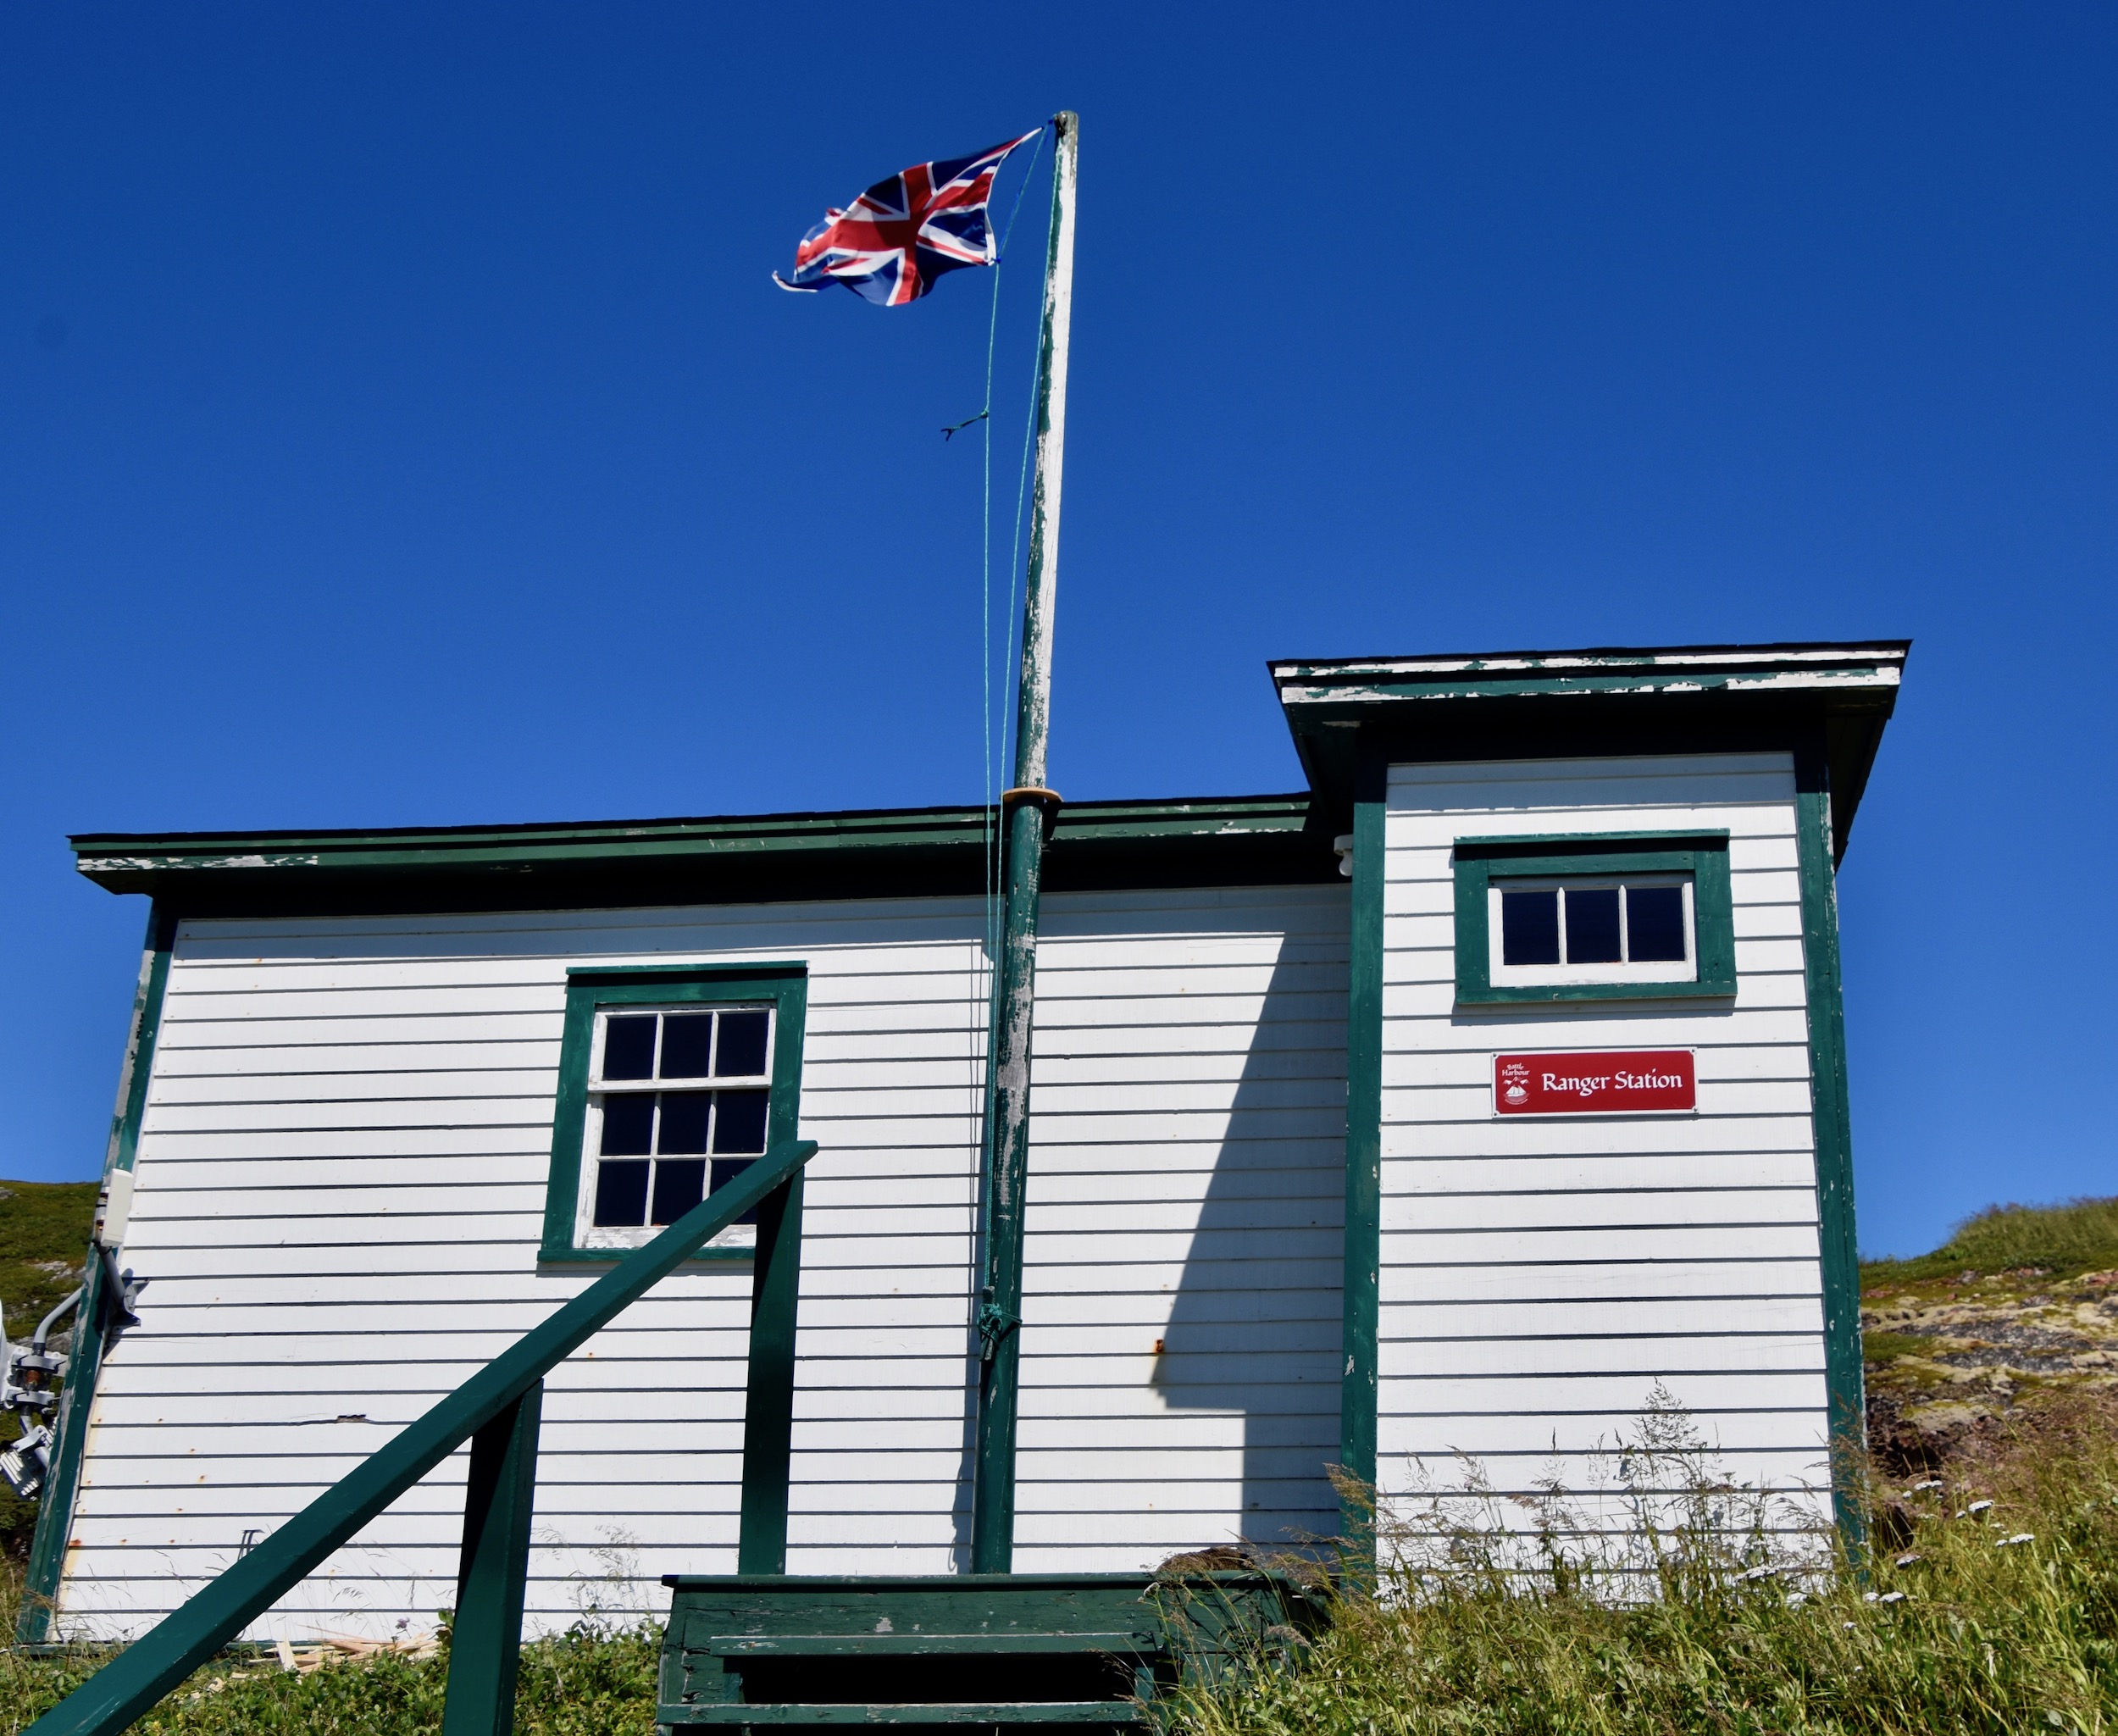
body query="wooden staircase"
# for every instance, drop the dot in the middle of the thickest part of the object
(1055, 1652)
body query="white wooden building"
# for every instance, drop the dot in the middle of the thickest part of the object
(380, 1118)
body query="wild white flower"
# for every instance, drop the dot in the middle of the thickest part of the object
(1768, 1571)
(1872, 1597)
(1910, 1558)
(1795, 1600)
(1978, 1507)
(2020, 1537)
(1891, 1597)
(1923, 1487)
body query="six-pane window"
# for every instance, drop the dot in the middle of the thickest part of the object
(679, 1101)
(1625, 927)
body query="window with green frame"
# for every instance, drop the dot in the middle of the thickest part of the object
(673, 1080)
(1593, 916)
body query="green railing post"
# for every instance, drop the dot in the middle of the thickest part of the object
(486, 1638)
(131, 1683)
(768, 1405)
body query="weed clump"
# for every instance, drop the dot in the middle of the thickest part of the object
(594, 1680)
(1987, 1601)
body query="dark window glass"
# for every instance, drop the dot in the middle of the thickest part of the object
(742, 1051)
(683, 1122)
(679, 1187)
(1592, 925)
(725, 1171)
(739, 1123)
(621, 1193)
(686, 1039)
(1529, 928)
(629, 1125)
(629, 1047)
(1655, 925)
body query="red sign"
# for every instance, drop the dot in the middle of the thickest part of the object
(1601, 1082)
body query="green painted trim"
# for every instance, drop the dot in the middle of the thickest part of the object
(785, 984)
(522, 846)
(46, 1568)
(140, 1675)
(1479, 862)
(774, 1304)
(124, 1149)
(47, 1565)
(1590, 703)
(1003, 1179)
(486, 1639)
(1221, 840)
(1362, 1273)
(1831, 1115)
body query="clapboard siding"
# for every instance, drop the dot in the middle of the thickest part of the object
(1539, 1277)
(1192, 1206)
(340, 1188)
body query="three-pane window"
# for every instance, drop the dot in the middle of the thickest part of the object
(1588, 930)
(678, 1103)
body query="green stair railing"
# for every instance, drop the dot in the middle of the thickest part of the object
(497, 1410)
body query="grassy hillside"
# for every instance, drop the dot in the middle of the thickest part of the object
(2056, 1241)
(1989, 1602)
(2018, 1307)
(43, 1240)
(44, 1237)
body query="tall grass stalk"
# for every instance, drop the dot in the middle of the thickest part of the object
(1991, 1605)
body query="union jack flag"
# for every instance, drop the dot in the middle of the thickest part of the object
(903, 233)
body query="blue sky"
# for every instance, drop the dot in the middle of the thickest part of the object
(397, 425)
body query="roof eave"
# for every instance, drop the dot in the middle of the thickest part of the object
(769, 857)
(1843, 691)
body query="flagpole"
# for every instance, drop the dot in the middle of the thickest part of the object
(1027, 811)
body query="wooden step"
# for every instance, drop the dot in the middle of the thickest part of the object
(821, 1646)
(927, 1711)
(1004, 1650)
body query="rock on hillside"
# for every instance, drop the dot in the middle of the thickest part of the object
(1948, 1357)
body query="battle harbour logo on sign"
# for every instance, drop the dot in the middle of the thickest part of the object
(1610, 1082)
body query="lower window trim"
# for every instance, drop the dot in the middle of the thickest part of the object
(591, 989)
(1479, 862)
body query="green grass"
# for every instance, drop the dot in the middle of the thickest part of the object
(43, 1241)
(1979, 1634)
(1882, 1347)
(593, 1681)
(2062, 1240)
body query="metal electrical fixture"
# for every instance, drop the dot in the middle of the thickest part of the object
(30, 1386)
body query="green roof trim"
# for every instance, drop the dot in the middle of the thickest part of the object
(1607, 699)
(1506, 705)
(884, 851)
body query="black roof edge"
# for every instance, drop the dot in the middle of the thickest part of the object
(1764, 648)
(1834, 696)
(867, 852)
